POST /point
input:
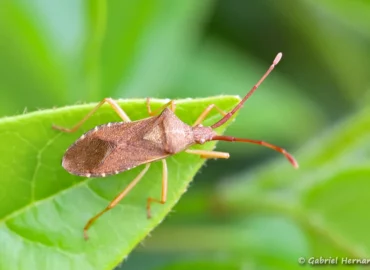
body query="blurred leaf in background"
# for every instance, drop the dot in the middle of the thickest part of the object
(55, 53)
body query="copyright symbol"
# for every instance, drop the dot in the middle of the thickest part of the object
(301, 260)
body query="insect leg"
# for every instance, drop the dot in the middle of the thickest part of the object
(206, 112)
(116, 200)
(110, 101)
(171, 104)
(208, 154)
(164, 189)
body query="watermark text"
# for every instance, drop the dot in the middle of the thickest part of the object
(333, 261)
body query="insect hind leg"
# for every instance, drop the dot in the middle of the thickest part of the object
(110, 101)
(116, 200)
(164, 189)
(171, 103)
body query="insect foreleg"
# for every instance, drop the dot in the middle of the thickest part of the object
(152, 113)
(164, 189)
(116, 200)
(208, 154)
(206, 112)
(110, 101)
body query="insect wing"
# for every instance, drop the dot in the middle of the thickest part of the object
(113, 148)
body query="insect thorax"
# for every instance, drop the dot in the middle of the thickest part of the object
(203, 134)
(177, 135)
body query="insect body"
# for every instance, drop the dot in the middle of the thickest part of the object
(116, 147)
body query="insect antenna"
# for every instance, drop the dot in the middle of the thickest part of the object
(254, 88)
(273, 147)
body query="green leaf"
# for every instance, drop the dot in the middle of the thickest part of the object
(316, 24)
(256, 240)
(87, 50)
(201, 265)
(327, 197)
(151, 40)
(43, 208)
(24, 53)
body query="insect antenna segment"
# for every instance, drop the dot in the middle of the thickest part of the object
(247, 96)
(240, 105)
(290, 158)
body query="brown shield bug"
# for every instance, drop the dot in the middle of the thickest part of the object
(116, 147)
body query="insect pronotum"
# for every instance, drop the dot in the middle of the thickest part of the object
(116, 147)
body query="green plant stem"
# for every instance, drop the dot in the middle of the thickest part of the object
(98, 21)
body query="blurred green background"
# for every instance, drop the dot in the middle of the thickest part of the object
(242, 213)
